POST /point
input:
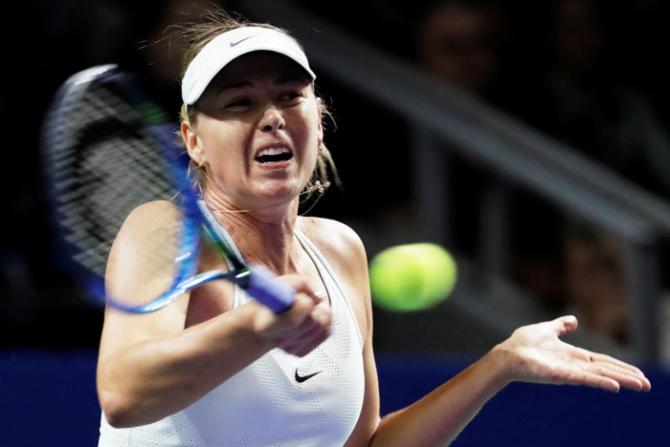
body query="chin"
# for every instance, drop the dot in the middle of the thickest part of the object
(278, 192)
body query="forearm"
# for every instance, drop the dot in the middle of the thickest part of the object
(533, 353)
(439, 417)
(156, 378)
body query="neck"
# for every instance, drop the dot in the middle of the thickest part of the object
(262, 236)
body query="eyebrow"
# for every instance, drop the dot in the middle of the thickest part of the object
(287, 79)
(293, 77)
(234, 85)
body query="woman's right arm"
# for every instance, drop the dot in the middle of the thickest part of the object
(150, 366)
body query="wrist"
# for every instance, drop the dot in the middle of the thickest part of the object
(498, 363)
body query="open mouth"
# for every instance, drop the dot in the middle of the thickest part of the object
(273, 155)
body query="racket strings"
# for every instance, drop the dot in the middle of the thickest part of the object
(104, 164)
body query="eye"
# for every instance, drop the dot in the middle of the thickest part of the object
(237, 103)
(290, 96)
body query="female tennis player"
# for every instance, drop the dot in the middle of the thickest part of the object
(218, 368)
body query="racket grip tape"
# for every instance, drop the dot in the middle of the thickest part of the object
(265, 288)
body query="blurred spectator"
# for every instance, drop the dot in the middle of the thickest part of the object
(585, 105)
(465, 43)
(460, 42)
(580, 102)
(595, 280)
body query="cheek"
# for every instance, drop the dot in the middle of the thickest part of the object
(311, 140)
(222, 141)
(309, 129)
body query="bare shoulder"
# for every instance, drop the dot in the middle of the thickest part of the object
(338, 242)
(156, 212)
(148, 218)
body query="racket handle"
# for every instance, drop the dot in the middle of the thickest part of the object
(264, 287)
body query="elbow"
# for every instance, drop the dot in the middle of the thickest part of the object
(119, 410)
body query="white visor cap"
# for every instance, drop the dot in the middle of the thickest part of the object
(230, 45)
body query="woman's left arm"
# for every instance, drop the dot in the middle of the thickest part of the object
(532, 353)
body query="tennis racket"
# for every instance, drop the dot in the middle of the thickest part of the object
(108, 149)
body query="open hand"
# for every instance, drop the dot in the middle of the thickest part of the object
(536, 354)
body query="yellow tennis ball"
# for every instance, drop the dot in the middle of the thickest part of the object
(412, 276)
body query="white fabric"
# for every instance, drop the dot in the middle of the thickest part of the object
(230, 45)
(263, 405)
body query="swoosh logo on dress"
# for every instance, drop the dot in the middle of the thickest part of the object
(301, 379)
(232, 44)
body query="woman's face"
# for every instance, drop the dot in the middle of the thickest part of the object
(258, 131)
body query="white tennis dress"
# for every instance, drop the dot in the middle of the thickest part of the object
(278, 400)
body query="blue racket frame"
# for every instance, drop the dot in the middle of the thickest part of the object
(257, 281)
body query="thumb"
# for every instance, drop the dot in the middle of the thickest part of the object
(565, 324)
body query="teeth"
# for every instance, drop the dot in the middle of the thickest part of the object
(273, 151)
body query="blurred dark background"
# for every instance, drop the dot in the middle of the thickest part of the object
(589, 74)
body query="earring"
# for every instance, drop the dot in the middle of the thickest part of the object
(321, 186)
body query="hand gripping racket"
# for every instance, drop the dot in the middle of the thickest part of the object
(108, 149)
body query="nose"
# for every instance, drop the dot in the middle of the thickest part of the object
(272, 120)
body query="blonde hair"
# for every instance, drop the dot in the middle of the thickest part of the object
(195, 36)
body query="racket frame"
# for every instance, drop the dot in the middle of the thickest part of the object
(197, 219)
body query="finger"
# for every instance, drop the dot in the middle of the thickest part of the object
(320, 319)
(299, 311)
(323, 314)
(323, 318)
(292, 334)
(321, 295)
(306, 285)
(630, 379)
(587, 378)
(307, 341)
(608, 359)
(604, 358)
(615, 367)
(564, 324)
(307, 344)
(646, 384)
(623, 377)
